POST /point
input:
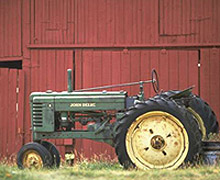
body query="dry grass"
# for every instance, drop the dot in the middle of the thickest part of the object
(102, 169)
(214, 137)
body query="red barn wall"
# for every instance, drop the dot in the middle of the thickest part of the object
(106, 42)
(10, 28)
(209, 79)
(150, 22)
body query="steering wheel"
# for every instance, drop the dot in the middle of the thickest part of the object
(155, 81)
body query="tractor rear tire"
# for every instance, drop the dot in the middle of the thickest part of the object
(157, 134)
(54, 153)
(33, 155)
(201, 110)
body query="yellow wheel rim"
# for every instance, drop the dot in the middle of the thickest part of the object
(32, 159)
(199, 121)
(157, 140)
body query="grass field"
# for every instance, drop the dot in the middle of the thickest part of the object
(107, 170)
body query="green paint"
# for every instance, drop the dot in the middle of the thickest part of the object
(76, 134)
(44, 106)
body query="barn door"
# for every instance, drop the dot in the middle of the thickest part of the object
(178, 69)
(11, 110)
(210, 81)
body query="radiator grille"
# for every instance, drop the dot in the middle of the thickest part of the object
(37, 114)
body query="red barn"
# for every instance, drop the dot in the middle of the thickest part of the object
(104, 42)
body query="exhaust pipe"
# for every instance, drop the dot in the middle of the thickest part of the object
(69, 79)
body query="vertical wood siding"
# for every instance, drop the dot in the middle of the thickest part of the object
(189, 21)
(11, 110)
(49, 69)
(10, 28)
(115, 22)
(54, 22)
(178, 69)
(210, 81)
(147, 21)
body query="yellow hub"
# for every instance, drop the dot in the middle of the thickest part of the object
(32, 159)
(157, 140)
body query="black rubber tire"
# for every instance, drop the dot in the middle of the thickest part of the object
(158, 104)
(54, 153)
(200, 107)
(206, 113)
(41, 150)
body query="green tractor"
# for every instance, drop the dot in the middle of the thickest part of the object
(162, 132)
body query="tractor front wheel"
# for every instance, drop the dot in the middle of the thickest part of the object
(34, 156)
(54, 153)
(157, 134)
